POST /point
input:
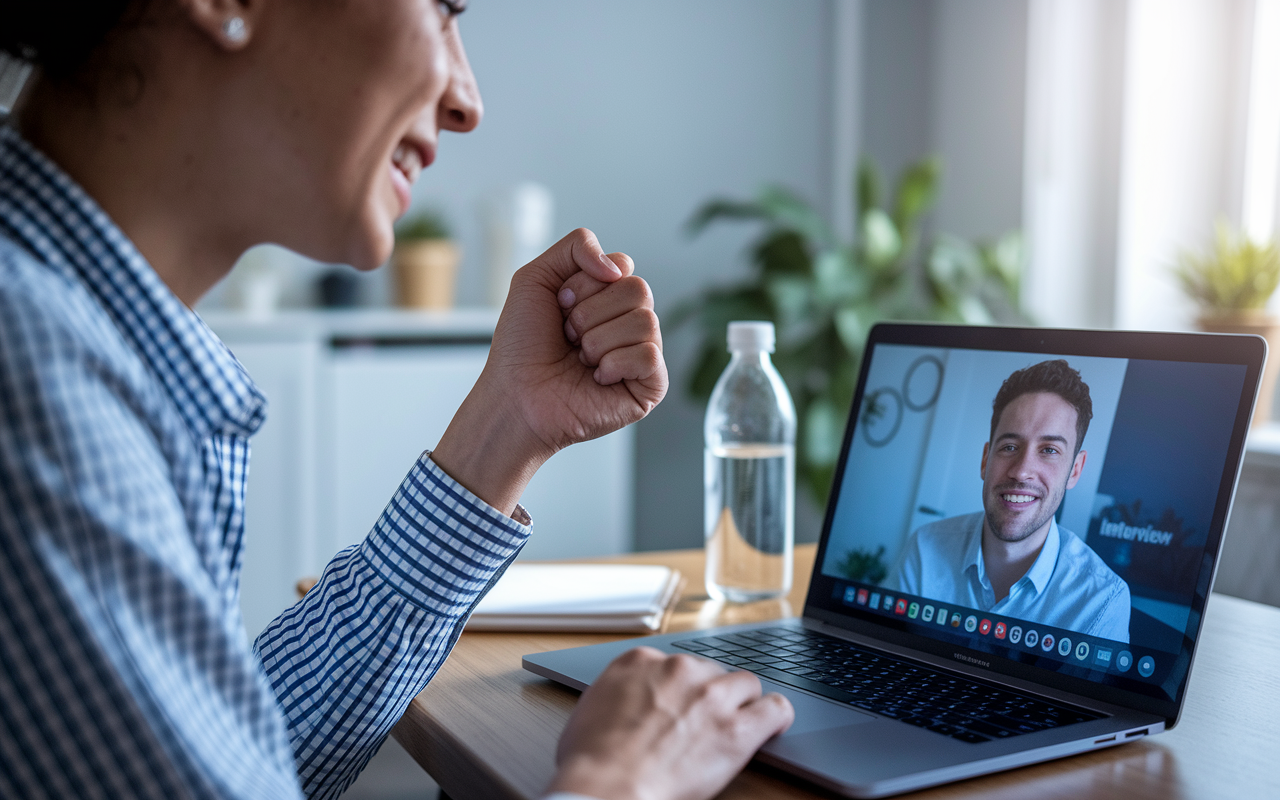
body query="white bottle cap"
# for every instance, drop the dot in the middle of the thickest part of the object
(752, 337)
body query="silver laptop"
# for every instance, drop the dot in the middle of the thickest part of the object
(996, 583)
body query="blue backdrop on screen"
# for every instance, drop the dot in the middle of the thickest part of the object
(1159, 486)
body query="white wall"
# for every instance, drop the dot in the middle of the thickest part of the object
(949, 77)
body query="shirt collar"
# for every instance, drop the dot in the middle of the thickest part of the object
(44, 211)
(1040, 571)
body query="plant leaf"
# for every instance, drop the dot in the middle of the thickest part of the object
(881, 242)
(973, 312)
(917, 190)
(838, 278)
(822, 434)
(788, 211)
(721, 208)
(790, 297)
(954, 267)
(1239, 275)
(867, 187)
(1004, 259)
(721, 307)
(853, 325)
(782, 252)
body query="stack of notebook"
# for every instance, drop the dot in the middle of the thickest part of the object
(613, 598)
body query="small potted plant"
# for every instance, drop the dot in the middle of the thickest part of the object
(425, 262)
(1231, 284)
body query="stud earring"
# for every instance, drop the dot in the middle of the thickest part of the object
(235, 30)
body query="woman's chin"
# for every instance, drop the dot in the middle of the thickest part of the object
(372, 250)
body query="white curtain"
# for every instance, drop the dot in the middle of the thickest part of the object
(1147, 120)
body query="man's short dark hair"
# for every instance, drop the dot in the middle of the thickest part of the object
(1054, 377)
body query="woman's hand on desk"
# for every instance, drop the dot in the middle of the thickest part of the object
(665, 728)
(577, 354)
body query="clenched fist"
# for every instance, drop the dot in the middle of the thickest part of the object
(577, 354)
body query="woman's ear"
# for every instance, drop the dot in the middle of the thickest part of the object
(229, 23)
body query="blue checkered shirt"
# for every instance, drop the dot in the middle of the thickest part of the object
(124, 446)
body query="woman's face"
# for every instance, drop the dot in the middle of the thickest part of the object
(355, 96)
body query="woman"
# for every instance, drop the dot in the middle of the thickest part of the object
(161, 139)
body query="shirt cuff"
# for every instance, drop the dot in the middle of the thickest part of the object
(438, 544)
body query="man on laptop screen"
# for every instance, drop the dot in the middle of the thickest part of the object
(1012, 558)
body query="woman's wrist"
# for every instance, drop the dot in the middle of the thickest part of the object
(489, 449)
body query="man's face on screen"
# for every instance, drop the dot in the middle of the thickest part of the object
(1029, 464)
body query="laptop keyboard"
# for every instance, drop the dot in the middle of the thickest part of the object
(944, 703)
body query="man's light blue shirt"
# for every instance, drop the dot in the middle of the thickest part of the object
(1068, 586)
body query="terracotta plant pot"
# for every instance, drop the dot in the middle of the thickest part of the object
(1261, 324)
(425, 273)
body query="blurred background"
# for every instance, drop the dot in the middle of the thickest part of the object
(1112, 134)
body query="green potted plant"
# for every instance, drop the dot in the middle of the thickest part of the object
(1231, 284)
(425, 262)
(823, 295)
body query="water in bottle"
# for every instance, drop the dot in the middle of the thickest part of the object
(749, 473)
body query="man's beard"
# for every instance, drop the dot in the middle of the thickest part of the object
(1001, 532)
(1050, 506)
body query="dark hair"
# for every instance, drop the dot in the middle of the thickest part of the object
(60, 36)
(1053, 377)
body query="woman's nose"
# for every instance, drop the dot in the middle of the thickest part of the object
(460, 108)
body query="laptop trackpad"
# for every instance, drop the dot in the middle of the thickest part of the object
(814, 713)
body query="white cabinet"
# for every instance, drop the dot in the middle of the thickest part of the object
(354, 398)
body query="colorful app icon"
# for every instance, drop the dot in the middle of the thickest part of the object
(942, 616)
(1033, 638)
(1000, 630)
(1015, 634)
(1124, 660)
(901, 607)
(850, 593)
(888, 603)
(1102, 657)
(913, 610)
(1064, 647)
(971, 623)
(984, 627)
(1082, 651)
(955, 619)
(926, 614)
(1046, 642)
(862, 597)
(875, 599)
(1146, 666)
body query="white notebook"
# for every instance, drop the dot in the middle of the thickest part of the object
(621, 598)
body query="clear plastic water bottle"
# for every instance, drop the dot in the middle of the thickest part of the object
(749, 473)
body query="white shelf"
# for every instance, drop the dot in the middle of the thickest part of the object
(304, 324)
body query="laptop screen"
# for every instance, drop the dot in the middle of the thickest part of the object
(1052, 500)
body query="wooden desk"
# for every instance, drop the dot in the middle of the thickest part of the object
(485, 728)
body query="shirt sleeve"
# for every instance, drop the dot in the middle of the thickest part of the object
(346, 661)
